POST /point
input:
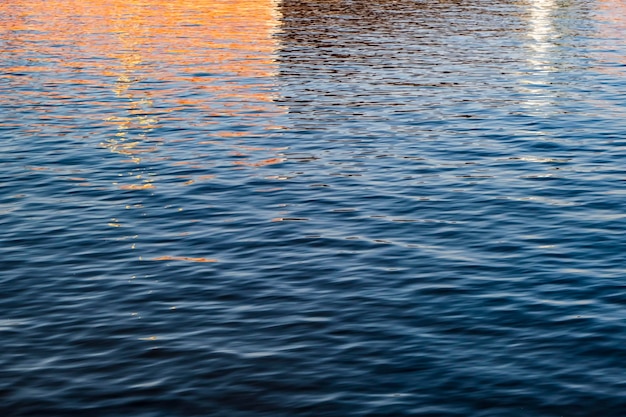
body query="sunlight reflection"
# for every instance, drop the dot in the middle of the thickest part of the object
(541, 35)
(152, 70)
(216, 55)
(541, 29)
(168, 89)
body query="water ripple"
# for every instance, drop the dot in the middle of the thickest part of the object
(316, 208)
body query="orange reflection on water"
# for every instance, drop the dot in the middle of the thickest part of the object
(257, 164)
(143, 65)
(183, 258)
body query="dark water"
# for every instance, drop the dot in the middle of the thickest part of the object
(312, 208)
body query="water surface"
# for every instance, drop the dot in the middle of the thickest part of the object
(312, 208)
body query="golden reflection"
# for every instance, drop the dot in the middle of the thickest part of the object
(168, 66)
(183, 258)
(203, 48)
(257, 164)
(166, 87)
(136, 186)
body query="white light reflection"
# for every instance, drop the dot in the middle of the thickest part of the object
(540, 47)
(541, 32)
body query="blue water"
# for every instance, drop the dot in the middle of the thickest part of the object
(312, 208)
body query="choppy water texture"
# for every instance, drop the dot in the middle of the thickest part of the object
(312, 208)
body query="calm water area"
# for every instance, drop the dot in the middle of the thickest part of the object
(342, 208)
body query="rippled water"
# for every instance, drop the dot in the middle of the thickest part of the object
(312, 208)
